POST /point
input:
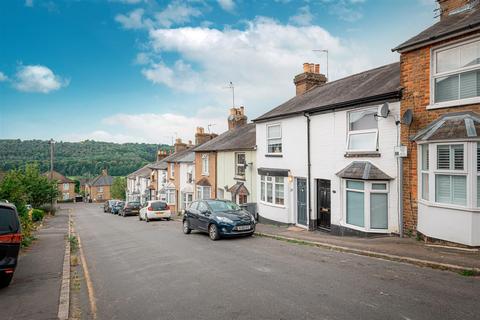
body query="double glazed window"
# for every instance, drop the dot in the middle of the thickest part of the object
(366, 204)
(274, 138)
(362, 130)
(170, 196)
(205, 168)
(203, 192)
(272, 190)
(450, 179)
(456, 72)
(240, 164)
(172, 170)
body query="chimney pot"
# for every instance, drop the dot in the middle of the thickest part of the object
(306, 67)
(310, 78)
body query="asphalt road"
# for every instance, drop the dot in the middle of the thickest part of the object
(153, 271)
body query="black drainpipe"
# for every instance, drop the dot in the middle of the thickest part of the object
(309, 165)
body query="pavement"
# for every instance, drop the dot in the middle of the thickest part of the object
(406, 249)
(142, 270)
(35, 289)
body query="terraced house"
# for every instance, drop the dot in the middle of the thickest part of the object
(440, 74)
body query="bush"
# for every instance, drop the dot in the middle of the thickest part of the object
(49, 208)
(37, 215)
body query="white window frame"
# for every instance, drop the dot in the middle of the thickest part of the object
(271, 138)
(264, 180)
(434, 75)
(240, 165)
(100, 189)
(185, 201)
(469, 170)
(172, 170)
(202, 190)
(359, 132)
(66, 186)
(367, 191)
(170, 196)
(205, 164)
(424, 171)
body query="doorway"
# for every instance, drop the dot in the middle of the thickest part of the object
(302, 201)
(323, 204)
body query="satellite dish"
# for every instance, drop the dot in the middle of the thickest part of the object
(384, 110)
(407, 117)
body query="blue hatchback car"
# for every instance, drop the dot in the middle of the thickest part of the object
(220, 218)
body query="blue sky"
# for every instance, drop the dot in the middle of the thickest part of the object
(149, 70)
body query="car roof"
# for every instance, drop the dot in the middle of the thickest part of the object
(8, 205)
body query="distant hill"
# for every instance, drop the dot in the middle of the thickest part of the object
(86, 158)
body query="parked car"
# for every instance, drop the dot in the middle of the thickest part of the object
(117, 207)
(107, 206)
(10, 239)
(155, 210)
(131, 208)
(220, 218)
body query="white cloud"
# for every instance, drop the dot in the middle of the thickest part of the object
(175, 13)
(261, 59)
(227, 5)
(29, 3)
(3, 77)
(346, 9)
(133, 20)
(303, 17)
(37, 78)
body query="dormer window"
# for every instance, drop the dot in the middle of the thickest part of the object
(456, 74)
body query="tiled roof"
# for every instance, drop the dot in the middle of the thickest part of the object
(186, 155)
(451, 126)
(240, 138)
(448, 27)
(159, 165)
(102, 180)
(369, 86)
(57, 176)
(144, 171)
(363, 170)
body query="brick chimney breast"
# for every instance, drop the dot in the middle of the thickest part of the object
(311, 77)
(201, 136)
(237, 117)
(449, 7)
(179, 145)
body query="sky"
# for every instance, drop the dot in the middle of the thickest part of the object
(151, 70)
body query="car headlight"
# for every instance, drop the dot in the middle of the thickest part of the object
(224, 219)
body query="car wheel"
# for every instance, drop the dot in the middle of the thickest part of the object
(146, 218)
(213, 232)
(186, 227)
(168, 219)
(5, 280)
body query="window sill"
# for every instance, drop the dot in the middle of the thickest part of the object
(362, 154)
(363, 229)
(272, 204)
(205, 174)
(448, 206)
(453, 103)
(273, 155)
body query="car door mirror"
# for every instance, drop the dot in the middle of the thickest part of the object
(205, 212)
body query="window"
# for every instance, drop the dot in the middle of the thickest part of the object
(205, 164)
(170, 196)
(274, 138)
(220, 193)
(100, 189)
(450, 184)
(172, 170)
(203, 192)
(187, 200)
(424, 171)
(272, 190)
(456, 72)
(366, 204)
(242, 198)
(362, 130)
(240, 164)
(66, 196)
(66, 186)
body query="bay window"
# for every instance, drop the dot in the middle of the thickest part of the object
(272, 190)
(203, 192)
(362, 130)
(424, 172)
(274, 138)
(366, 204)
(456, 72)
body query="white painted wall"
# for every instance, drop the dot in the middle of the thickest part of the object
(226, 173)
(186, 167)
(294, 155)
(455, 225)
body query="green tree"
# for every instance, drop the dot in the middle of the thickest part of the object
(119, 186)
(39, 189)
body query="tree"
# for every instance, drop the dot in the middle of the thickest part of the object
(119, 186)
(39, 189)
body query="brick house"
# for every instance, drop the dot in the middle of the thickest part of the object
(98, 189)
(440, 76)
(66, 186)
(205, 167)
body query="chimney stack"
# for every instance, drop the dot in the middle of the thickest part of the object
(449, 7)
(179, 145)
(104, 172)
(236, 118)
(201, 136)
(161, 154)
(311, 77)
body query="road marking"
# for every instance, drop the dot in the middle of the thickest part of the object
(88, 280)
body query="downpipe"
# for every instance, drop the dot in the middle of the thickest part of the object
(309, 165)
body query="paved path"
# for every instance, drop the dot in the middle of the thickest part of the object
(153, 271)
(35, 289)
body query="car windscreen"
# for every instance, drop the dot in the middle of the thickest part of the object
(157, 206)
(133, 204)
(8, 221)
(222, 206)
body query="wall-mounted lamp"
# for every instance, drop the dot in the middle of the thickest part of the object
(290, 177)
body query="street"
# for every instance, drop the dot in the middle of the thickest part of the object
(153, 271)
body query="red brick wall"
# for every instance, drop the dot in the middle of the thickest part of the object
(415, 79)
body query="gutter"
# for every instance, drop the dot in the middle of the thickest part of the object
(309, 167)
(371, 99)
